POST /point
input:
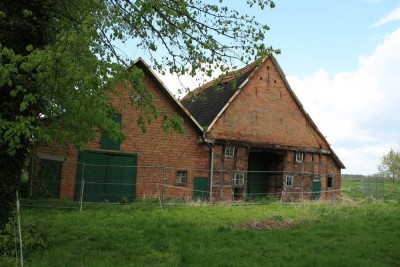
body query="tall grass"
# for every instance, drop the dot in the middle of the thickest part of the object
(321, 234)
(356, 231)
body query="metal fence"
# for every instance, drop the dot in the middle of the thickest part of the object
(365, 187)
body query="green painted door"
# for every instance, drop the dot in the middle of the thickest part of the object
(200, 188)
(50, 178)
(92, 167)
(316, 189)
(257, 179)
(121, 176)
(108, 177)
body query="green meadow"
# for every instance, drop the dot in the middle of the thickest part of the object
(355, 231)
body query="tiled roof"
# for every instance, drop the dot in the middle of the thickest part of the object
(205, 102)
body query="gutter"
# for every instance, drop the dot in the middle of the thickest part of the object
(211, 146)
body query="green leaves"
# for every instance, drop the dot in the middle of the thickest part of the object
(61, 63)
(390, 165)
(183, 36)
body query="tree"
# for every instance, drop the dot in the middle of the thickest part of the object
(390, 165)
(60, 65)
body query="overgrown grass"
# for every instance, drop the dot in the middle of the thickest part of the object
(343, 234)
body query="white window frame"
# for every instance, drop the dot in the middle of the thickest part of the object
(229, 151)
(181, 177)
(238, 179)
(289, 180)
(299, 156)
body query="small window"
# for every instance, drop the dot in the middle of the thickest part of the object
(229, 150)
(289, 180)
(329, 182)
(181, 177)
(299, 156)
(238, 179)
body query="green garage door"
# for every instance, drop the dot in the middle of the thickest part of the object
(108, 177)
(92, 168)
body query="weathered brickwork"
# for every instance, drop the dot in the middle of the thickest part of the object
(263, 119)
(154, 148)
(265, 115)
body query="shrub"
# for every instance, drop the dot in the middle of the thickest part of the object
(33, 239)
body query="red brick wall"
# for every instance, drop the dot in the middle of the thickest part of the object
(313, 165)
(153, 148)
(265, 113)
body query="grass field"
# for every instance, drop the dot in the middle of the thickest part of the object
(347, 233)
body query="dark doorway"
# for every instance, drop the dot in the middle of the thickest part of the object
(264, 173)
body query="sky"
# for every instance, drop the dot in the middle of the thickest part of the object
(342, 59)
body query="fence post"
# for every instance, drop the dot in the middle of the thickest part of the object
(19, 232)
(164, 189)
(159, 196)
(82, 187)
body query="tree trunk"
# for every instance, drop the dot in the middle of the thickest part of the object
(10, 172)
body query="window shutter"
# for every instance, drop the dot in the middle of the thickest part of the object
(106, 142)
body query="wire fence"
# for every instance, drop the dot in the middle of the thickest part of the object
(147, 185)
(373, 187)
(108, 183)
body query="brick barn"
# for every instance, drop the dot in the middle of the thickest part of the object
(141, 165)
(246, 135)
(263, 140)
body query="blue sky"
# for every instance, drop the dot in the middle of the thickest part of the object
(342, 59)
(329, 34)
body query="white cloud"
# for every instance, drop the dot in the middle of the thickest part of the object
(393, 16)
(358, 111)
(368, 157)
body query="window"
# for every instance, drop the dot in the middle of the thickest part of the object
(329, 182)
(106, 142)
(289, 180)
(229, 150)
(299, 156)
(181, 177)
(238, 179)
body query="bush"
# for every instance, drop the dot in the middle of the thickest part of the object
(33, 239)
